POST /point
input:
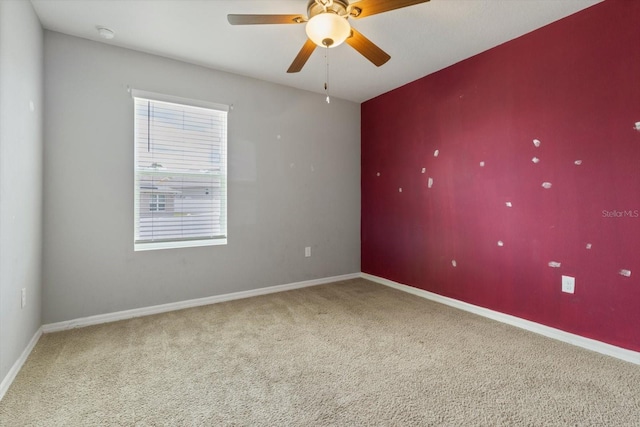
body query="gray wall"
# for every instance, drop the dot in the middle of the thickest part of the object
(294, 181)
(21, 55)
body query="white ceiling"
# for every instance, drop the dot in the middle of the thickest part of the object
(421, 39)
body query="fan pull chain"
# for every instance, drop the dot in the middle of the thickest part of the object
(326, 80)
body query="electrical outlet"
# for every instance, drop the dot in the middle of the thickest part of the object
(568, 284)
(23, 299)
(307, 251)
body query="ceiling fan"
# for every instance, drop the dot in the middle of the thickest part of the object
(327, 26)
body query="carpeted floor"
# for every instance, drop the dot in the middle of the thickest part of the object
(352, 353)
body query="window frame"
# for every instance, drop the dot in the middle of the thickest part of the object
(222, 175)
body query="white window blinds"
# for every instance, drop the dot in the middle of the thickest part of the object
(180, 172)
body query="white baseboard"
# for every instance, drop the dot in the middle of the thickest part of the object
(547, 331)
(156, 309)
(11, 375)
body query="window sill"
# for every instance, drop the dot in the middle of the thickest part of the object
(180, 244)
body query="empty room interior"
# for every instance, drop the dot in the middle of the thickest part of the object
(322, 212)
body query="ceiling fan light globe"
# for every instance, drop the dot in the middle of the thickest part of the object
(328, 29)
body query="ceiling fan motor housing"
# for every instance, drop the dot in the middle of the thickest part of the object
(339, 7)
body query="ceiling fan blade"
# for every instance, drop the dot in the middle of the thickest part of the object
(302, 57)
(367, 48)
(265, 19)
(366, 8)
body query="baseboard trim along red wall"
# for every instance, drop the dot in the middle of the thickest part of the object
(557, 334)
(490, 180)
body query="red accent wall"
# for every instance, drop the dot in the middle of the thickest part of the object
(574, 85)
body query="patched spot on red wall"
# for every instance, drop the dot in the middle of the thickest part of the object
(517, 166)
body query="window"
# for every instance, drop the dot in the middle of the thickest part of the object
(180, 172)
(158, 202)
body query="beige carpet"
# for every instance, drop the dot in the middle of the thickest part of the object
(350, 353)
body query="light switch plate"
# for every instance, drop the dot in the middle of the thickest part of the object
(568, 284)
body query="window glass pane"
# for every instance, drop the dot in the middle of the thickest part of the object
(180, 171)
